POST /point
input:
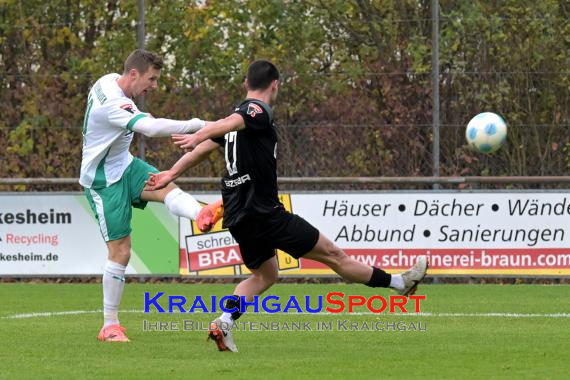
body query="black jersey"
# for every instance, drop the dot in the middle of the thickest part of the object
(249, 186)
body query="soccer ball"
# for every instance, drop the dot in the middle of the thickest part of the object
(486, 132)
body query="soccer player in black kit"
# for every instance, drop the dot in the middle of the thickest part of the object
(252, 211)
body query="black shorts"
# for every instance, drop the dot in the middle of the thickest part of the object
(260, 236)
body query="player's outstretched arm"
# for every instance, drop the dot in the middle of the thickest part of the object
(159, 180)
(219, 128)
(127, 116)
(152, 127)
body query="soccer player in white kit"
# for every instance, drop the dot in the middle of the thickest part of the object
(114, 180)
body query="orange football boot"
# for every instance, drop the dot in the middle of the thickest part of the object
(210, 215)
(113, 333)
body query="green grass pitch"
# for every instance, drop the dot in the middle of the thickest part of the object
(529, 337)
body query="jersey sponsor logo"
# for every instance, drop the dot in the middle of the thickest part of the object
(127, 107)
(238, 181)
(253, 109)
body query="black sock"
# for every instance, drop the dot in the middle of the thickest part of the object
(379, 279)
(234, 302)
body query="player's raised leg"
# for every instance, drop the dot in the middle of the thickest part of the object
(182, 204)
(176, 201)
(328, 253)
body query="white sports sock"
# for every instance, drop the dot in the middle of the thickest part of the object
(227, 318)
(397, 282)
(182, 204)
(113, 285)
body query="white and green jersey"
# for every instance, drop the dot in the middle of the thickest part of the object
(107, 133)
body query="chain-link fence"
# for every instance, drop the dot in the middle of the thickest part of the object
(357, 91)
(328, 151)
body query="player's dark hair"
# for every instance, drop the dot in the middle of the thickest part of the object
(141, 60)
(260, 74)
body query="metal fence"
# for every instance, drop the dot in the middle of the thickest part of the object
(314, 153)
(417, 142)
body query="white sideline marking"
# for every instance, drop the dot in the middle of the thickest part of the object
(427, 314)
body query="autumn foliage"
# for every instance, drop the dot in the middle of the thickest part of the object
(356, 95)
